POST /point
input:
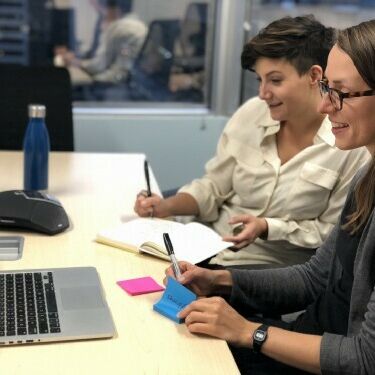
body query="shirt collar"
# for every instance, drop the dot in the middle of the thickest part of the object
(271, 126)
(324, 133)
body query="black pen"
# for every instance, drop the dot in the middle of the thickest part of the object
(147, 176)
(169, 247)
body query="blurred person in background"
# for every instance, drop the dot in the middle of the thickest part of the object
(118, 37)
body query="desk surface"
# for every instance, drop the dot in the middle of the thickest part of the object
(96, 190)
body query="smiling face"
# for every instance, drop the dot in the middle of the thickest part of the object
(354, 125)
(288, 95)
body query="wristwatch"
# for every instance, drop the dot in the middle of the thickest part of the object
(259, 337)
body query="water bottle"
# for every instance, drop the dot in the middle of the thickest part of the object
(36, 147)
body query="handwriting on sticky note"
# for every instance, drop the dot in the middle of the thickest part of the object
(175, 298)
(141, 285)
(179, 304)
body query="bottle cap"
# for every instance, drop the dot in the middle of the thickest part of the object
(37, 110)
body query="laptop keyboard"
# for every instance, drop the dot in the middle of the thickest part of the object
(28, 304)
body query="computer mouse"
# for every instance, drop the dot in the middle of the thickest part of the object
(32, 210)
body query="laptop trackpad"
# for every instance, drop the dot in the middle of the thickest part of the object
(80, 298)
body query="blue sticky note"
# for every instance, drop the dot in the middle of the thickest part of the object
(175, 298)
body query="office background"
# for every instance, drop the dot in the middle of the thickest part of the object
(177, 130)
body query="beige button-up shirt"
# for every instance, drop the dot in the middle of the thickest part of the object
(301, 199)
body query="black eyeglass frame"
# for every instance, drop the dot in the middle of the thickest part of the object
(325, 89)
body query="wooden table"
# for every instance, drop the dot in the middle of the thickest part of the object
(96, 191)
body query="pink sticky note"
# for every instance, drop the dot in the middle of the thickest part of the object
(141, 285)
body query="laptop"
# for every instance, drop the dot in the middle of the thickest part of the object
(46, 305)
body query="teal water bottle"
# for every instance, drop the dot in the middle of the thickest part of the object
(36, 147)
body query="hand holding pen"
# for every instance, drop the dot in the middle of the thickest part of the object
(150, 204)
(202, 281)
(169, 247)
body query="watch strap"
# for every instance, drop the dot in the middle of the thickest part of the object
(259, 337)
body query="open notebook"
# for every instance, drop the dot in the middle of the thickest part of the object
(192, 242)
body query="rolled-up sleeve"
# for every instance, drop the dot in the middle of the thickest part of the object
(215, 187)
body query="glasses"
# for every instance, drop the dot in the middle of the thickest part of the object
(336, 96)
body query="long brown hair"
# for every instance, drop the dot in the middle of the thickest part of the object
(358, 42)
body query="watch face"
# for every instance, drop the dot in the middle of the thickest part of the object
(260, 335)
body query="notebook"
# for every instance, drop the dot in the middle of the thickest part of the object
(46, 305)
(192, 242)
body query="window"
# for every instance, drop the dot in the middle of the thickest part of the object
(116, 50)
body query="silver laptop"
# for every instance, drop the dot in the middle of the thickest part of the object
(48, 305)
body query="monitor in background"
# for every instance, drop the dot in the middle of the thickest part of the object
(24, 85)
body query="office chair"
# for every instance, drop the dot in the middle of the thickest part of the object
(191, 53)
(21, 86)
(149, 76)
(192, 40)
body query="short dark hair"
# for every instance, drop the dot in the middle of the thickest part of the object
(302, 41)
(124, 5)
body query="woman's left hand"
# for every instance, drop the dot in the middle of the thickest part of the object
(253, 227)
(215, 317)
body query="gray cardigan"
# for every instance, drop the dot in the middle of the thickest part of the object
(293, 288)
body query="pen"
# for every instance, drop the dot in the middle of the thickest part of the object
(169, 247)
(238, 229)
(147, 176)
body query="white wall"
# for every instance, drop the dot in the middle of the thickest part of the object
(177, 147)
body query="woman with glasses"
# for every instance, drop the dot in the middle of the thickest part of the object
(336, 333)
(277, 170)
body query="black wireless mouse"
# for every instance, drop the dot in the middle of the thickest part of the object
(32, 210)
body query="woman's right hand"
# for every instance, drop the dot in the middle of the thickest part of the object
(200, 280)
(151, 206)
